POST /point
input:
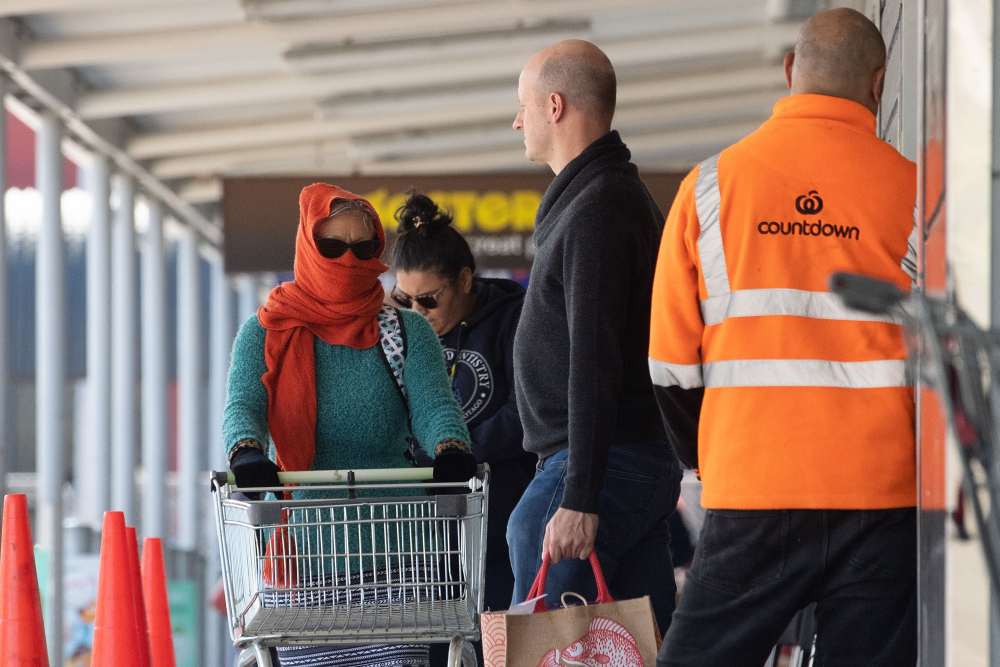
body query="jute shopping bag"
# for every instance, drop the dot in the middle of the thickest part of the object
(608, 633)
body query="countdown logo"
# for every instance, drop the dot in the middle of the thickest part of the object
(809, 204)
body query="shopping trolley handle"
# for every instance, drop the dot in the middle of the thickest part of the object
(349, 477)
(866, 293)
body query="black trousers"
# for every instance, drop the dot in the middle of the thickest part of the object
(753, 570)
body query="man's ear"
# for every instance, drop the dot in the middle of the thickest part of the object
(789, 65)
(557, 106)
(878, 85)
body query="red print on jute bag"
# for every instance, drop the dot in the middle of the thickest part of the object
(606, 644)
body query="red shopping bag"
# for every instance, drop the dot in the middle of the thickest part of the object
(609, 632)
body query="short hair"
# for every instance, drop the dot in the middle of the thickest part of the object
(839, 49)
(586, 78)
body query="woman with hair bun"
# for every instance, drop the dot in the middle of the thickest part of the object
(475, 319)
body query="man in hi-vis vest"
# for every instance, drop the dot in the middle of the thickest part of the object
(795, 410)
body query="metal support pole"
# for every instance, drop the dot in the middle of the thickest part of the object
(221, 341)
(154, 376)
(50, 365)
(995, 282)
(189, 367)
(222, 334)
(125, 365)
(6, 430)
(98, 443)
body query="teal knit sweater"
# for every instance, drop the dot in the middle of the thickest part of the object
(361, 421)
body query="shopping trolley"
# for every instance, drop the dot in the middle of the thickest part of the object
(960, 362)
(353, 558)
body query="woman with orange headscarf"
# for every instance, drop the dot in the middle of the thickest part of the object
(310, 374)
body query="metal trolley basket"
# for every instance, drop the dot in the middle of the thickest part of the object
(960, 362)
(353, 558)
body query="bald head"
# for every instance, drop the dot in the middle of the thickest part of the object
(566, 100)
(581, 73)
(840, 53)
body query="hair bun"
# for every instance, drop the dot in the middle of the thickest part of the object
(420, 214)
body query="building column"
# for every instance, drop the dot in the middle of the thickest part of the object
(222, 334)
(154, 376)
(50, 369)
(191, 485)
(125, 351)
(97, 446)
(221, 341)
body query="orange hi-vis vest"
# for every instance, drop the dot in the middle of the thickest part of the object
(807, 404)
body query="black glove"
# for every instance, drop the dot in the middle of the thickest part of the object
(251, 467)
(454, 465)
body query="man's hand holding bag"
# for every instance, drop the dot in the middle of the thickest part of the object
(607, 633)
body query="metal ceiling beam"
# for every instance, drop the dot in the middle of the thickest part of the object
(643, 52)
(680, 141)
(293, 88)
(239, 38)
(285, 9)
(324, 58)
(631, 121)
(200, 191)
(440, 111)
(678, 149)
(26, 7)
(212, 164)
(305, 130)
(693, 116)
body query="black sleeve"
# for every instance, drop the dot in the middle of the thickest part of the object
(500, 437)
(598, 280)
(681, 409)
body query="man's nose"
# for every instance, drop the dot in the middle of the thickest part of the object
(517, 122)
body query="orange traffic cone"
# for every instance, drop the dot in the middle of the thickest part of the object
(22, 634)
(116, 642)
(137, 600)
(154, 590)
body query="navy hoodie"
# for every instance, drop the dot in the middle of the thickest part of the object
(478, 354)
(479, 357)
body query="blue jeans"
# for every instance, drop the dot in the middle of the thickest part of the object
(633, 537)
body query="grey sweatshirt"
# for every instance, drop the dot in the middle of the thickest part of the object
(581, 375)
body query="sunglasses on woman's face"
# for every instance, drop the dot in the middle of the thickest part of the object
(428, 301)
(334, 248)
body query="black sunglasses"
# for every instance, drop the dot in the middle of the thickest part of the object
(334, 248)
(427, 301)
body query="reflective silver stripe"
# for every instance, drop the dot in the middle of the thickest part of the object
(685, 376)
(710, 250)
(909, 262)
(791, 302)
(806, 373)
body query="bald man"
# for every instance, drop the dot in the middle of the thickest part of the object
(606, 477)
(796, 410)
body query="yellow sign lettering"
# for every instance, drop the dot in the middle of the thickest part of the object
(523, 206)
(493, 212)
(463, 203)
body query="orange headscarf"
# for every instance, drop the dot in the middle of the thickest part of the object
(337, 300)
